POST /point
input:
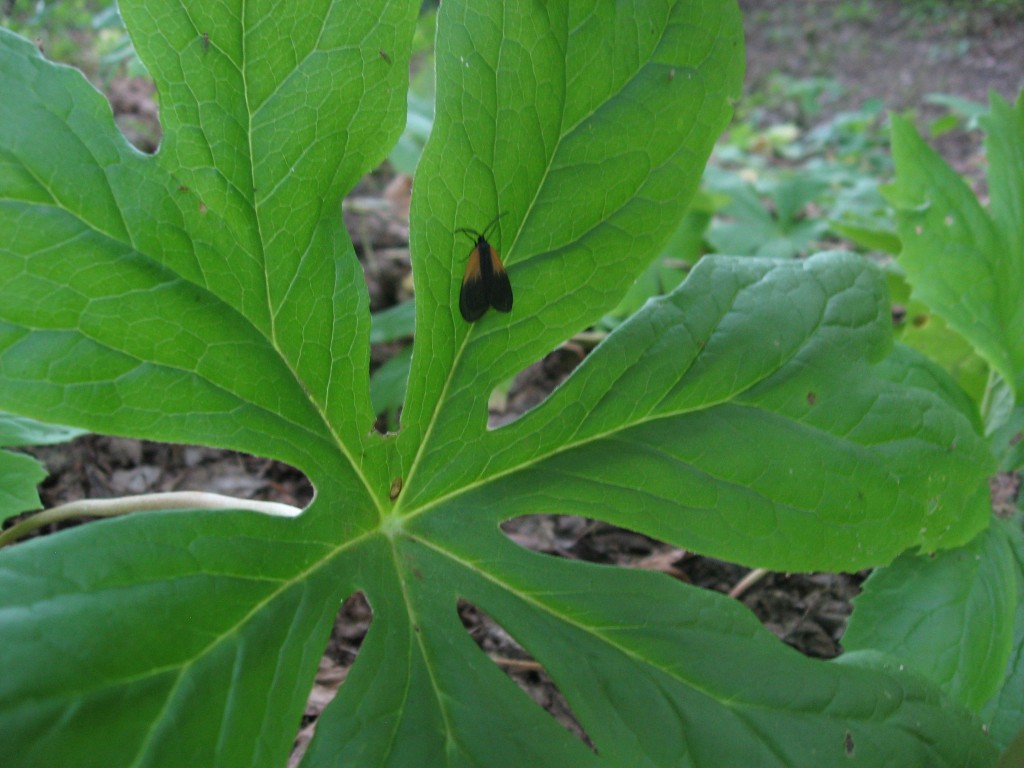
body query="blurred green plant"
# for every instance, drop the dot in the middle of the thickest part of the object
(855, 10)
(955, 11)
(958, 615)
(114, 47)
(768, 216)
(797, 99)
(784, 191)
(388, 382)
(87, 34)
(962, 114)
(420, 112)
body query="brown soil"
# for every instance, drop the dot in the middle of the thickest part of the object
(895, 51)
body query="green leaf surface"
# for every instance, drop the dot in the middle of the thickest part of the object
(1014, 754)
(963, 261)
(591, 151)
(146, 636)
(1004, 145)
(18, 430)
(636, 655)
(1005, 710)
(925, 331)
(755, 430)
(19, 476)
(209, 294)
(388, 383)
(875, 238)
(949, 616)
(243, 293)
(393, 323)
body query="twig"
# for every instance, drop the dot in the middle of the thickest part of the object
(747, 582)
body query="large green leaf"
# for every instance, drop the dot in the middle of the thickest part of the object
(640, 659)
(964, 262)
(209, 294)
(178, 642)
(591, 149)
(756, 435)
(956, 617)
(950, 616)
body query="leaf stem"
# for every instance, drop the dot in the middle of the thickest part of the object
(142, 503)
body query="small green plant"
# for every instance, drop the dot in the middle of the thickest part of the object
(19, 472)
(957, 616)
(962, 113)
(786, 192)
(807, 95)
(208, 293)
(70, 30)
(768, 217)
(856, 10)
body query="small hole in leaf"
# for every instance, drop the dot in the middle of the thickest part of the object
(532, 386)
(581, 538)
(517, 664)
(805, 611)
(350, 628)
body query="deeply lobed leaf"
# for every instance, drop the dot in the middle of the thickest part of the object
(209, 294)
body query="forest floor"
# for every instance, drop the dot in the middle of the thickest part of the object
(894, 51)
(875, 50)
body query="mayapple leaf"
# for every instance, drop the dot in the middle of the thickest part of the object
(189, 639)
(640, 659)
(208, 294)
(1003, 711)
(740, 417)
(1004, 144)
(963, 261)
(591, 150)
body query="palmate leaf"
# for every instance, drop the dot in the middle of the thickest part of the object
(208, 294)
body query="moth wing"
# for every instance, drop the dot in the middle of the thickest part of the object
(473, 296)
(499, 289)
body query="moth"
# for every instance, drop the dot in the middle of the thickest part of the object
(485, 282)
